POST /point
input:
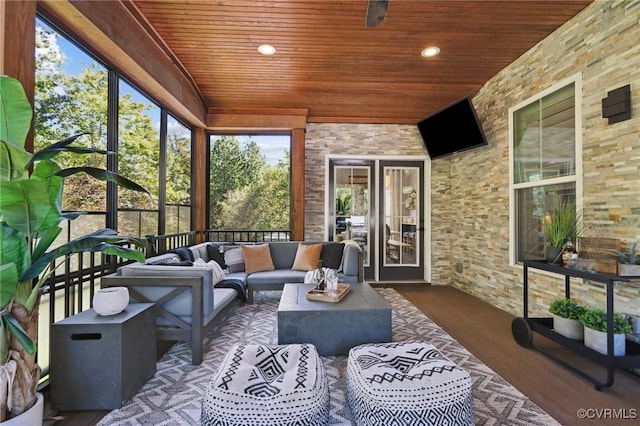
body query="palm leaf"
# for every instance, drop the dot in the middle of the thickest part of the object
(103, 175)
(50, 151)
(15, 110)
(24, 204)
(22, 336)
(100, 240)
(9, 279)
(12, 161)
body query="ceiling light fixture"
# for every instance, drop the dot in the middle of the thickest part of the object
(266, 49)
(430, 52)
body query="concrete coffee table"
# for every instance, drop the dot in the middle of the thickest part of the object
(362, 316)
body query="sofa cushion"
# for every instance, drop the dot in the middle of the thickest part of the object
(200, 251)
(307, 257)
(234, 259)
(283, 253)
(277, 276)
(257, 258)
(215, 251)
(331, 255)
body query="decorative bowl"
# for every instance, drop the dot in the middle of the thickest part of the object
(110, 301)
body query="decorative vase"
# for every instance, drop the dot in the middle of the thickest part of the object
(110, 301)
(571, 328)
(597, 340)
(32, 417)
(553, 254)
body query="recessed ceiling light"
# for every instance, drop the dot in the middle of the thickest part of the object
(430, 51)
(266, 49)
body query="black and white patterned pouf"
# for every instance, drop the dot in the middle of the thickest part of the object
(268, 385)
(407, 383)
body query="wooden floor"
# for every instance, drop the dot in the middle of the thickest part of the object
(486, 332)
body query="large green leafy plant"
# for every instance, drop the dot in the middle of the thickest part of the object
(30, 216)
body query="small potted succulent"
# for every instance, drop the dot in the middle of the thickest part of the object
(566, 314)
(628, 262)
(595, 331)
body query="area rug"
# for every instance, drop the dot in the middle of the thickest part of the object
(173, 396)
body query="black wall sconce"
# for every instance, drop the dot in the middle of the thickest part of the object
(617, 105)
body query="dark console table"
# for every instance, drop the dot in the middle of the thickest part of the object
(523, 327)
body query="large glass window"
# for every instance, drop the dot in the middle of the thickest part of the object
(178, 204)
(138, 160)
(249, 182)
(545, 163)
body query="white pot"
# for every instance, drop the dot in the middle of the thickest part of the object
(111, 300)
(32, 417)
(573, 329)
(597, 340)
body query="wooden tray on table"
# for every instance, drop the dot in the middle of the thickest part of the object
(323, 295)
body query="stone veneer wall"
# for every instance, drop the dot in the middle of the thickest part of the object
(470, 192)
(356, 140)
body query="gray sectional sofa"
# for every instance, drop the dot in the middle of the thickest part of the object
(186, 295)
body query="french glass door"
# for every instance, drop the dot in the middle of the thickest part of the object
(350, 205)
(378, 204)
(401, 219)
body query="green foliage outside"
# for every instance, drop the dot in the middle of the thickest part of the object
(68, 104)
(246, 192)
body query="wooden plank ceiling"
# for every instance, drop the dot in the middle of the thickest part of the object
(329, 62)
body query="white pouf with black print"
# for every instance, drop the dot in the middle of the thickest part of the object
(268, 385)
(407, 383)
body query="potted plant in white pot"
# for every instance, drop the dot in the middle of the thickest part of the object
(561, 224)
(30, 215)
(566, 314)
(595, 331)
(628, 262)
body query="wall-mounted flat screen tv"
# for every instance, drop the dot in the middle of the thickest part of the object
(452, 129)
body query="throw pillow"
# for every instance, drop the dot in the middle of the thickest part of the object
(331, 255)
(257, 258)
(184, 253)
(217, 274)
(234, 259)
(215, 251)
(307, 257)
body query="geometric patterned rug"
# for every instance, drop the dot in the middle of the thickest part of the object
(173, 395)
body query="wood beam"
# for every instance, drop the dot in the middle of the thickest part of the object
(297, 184)
(199, 174)
(271, 119)
(18, 47)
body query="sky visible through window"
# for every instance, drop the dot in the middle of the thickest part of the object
(273, 147)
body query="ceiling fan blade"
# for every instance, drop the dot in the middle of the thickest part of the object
(376, 12)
